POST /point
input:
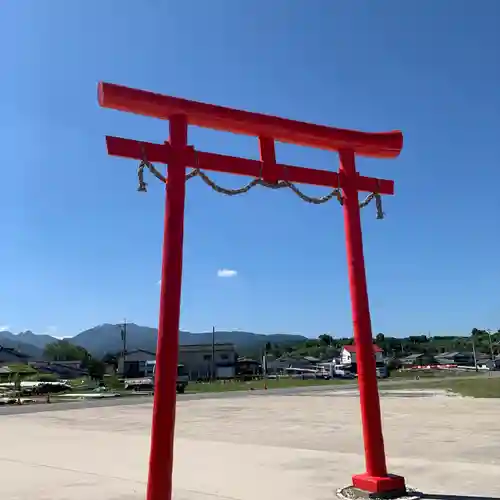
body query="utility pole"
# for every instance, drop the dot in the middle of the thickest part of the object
(214, 374)
(488, 331)
(123, 332)
(264, 366)
(474, 352)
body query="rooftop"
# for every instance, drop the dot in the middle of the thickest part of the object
(352, 348)
(13, 352)
(412, 357)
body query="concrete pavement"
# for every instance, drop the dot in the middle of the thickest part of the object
(295, 446)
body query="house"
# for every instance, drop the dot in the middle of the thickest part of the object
(492, 364)
(412, 360)
(348, 354)
(248, 368)
(132, 364)
(199, 360)
(419, 359)
(456, 358)
(11, 356)
(61, 369)
(281, 364)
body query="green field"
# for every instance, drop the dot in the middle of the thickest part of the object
(260, 384)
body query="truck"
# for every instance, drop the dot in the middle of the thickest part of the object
(182, 376)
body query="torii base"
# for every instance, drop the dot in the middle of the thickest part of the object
(390, 485)
(352, 493)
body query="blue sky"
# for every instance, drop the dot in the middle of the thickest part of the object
(81, 247)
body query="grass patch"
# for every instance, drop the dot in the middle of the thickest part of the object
(481, 386)
(83, 384)
(22, 369)
(282, 383)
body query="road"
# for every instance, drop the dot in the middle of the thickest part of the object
(134, 400)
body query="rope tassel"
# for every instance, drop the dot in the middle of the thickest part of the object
(378, 204)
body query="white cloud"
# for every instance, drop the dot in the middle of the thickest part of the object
(226, 273)
(4, 328)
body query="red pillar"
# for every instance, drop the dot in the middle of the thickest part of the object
(376, 479)
(162, 430)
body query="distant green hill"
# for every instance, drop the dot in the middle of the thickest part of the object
(106, 338)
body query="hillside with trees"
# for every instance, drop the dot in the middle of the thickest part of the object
(326, 346)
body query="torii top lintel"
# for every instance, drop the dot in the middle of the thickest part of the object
(375, 145)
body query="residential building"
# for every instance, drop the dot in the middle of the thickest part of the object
(197, 360)
(11, 356)
(412, 360)
(492, 364)
(133, 364)
(457, 358)
(199, 364)
(248, 368)
(348, 354)
(419, 359)
(276, 366)
(61, 369)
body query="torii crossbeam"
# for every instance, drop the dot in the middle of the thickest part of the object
(178, 155)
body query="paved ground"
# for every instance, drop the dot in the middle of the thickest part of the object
(294, 447)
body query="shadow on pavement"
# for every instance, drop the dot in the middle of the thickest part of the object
(430, 496)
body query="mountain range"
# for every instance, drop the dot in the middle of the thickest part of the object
(106, 338)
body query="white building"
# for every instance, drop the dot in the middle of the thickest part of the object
(348, 355)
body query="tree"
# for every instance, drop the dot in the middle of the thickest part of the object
(326, 339)
(308, 344)
(418, 339)
(62, 350)
(96, 369)
(380, 338)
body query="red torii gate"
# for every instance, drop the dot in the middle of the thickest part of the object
(178, 155)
